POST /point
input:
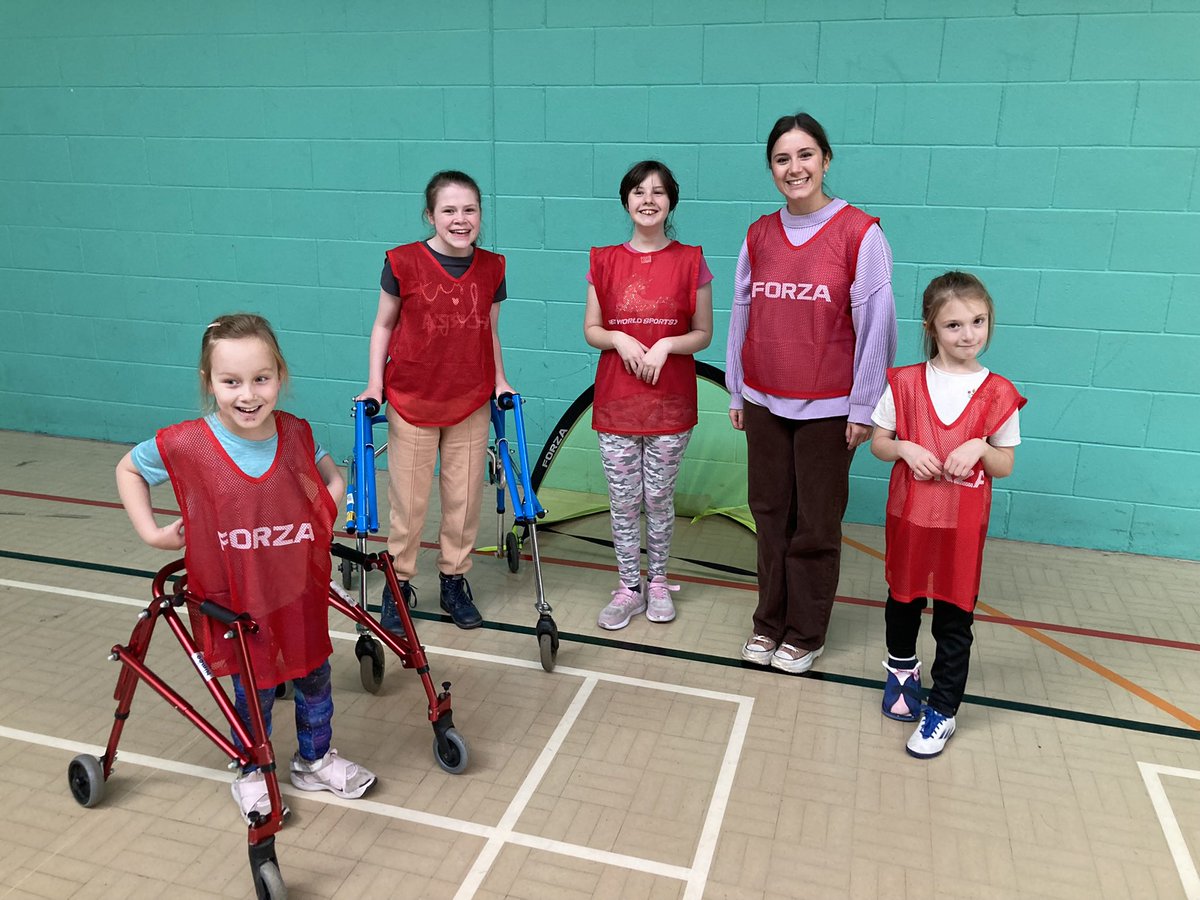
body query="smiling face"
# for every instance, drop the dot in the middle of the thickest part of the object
(798, 166)
(961, 328)
(648, 203)
(455, 217)
(244, 380)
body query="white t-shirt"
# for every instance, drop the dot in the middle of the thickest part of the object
(950, 392)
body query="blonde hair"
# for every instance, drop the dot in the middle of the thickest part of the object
(943, 289)
(230, 328)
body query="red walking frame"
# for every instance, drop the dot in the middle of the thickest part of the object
(87, 774)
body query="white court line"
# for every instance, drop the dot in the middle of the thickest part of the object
(695, 876)
(1151, 774)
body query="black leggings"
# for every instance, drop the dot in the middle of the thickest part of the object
(952, 633)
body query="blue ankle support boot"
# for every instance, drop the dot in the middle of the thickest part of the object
(902, 693)
(458, 602)
(389, 616)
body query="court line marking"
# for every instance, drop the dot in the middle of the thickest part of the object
(999, 618)
(695, 877)
(1152, 776)
(1078, 658)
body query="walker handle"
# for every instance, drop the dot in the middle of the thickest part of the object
(370, 406)
(505, 400)
(218, 612)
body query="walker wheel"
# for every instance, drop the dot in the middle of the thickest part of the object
(454, 758)
(268, 883)
(547, 651)
(512, 551)
(285, 691)
(547, 635)
(370, 664)
(85, 777)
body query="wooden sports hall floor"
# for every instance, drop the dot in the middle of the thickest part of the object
(649, 764)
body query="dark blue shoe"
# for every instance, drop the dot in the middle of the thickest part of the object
(457, 601)
(902, 693)
(389, 616)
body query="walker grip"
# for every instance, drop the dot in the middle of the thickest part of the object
(370, 406)
(218, 612)
(505, 401)
(341, 551)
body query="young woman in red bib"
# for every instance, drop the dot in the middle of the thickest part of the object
(259, 497)
(950, 427)
(811, 335)
(435, 358)
(649, 308)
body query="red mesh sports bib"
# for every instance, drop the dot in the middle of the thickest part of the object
(256, 545)
(441, 365)
(800, 337)
(936, 529)
(648, 296)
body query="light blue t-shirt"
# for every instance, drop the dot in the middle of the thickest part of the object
(252, 457)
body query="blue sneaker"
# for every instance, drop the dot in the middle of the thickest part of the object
(389, 616)
(902, 693)
(931, 735)
(457, 601)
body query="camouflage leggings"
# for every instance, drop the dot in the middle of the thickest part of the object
(642, 470)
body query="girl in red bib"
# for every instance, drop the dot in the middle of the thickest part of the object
(649, 308)
(258, 500)
(950, 427)
(435, 358)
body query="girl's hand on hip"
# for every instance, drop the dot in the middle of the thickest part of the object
(856, 434)
(168, 537)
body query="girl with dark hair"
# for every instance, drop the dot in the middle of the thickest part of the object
(435, 359)
(812, 333)
(649, 308)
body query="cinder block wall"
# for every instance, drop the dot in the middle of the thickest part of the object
(161, 163)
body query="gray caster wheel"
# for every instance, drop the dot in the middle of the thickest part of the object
(85, 776)
(454, 758)
(512, 551)
(268, 883)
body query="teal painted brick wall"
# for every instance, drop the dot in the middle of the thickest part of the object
(161, 164)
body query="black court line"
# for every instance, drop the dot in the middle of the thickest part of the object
(1052, 712)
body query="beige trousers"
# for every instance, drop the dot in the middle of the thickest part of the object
(412, 452)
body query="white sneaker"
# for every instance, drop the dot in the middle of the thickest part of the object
(250, 792)
(331, 773)
(758, 650)
(659, 606)
(931, 735)
(791, 659)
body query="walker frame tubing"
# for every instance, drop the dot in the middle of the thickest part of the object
(132, 657)
(526, 507)
(408, 649)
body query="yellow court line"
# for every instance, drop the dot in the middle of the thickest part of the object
(1103, 671)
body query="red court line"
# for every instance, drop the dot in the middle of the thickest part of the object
(994, 617)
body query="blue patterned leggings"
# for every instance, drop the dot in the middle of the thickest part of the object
(641, 470)
(314, 711)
